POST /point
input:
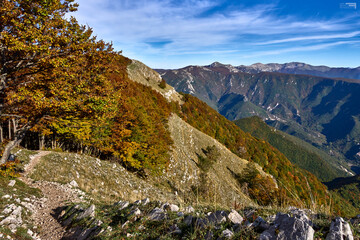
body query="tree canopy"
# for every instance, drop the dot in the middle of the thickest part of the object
(53, 71)
(59, 81)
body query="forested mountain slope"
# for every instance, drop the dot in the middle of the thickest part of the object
(322, 111)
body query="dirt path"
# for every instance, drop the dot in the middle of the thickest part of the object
(55, 195)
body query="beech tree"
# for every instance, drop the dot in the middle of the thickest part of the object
(52, 70)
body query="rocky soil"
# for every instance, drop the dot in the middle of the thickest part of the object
(41, 210)
(144, 219)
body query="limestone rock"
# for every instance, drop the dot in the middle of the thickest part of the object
(89, 212)
(74, 184)
(216, 218)
(13, 220)
(189, 209)
(157, 214)
(11, 183)
(260, 224)
(286, 227)
(227, 233)
(339, 230)
(142, 202)
(122, 204)
(135, 212)
(235, 217)
(171, 207)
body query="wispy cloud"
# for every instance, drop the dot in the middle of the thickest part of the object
(316, 37)
(301, 49)
(169, 27)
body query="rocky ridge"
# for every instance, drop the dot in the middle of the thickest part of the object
(295, 68)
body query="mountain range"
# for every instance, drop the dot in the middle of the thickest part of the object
(321, 110)
(299, 68)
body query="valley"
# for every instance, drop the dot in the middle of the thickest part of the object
(318, 110)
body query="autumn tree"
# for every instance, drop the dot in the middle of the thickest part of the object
(53, 71)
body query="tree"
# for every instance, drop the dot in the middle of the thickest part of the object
(52, 70)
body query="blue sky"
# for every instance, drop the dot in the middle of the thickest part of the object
(174, 34)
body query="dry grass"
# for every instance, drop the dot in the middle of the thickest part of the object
(101, 180)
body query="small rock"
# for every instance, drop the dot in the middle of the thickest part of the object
(287, 227)
(227, 233)
(175, 229)
(235, 217)
(126, 223)
(189, 209)
(135, 212)
(170, 207)
(145, 201)
(216, 218)
(30, 232)
(339, 229)
(11, 183)
(122, 204)
(157, 214)
(7, 196)
(260, 224)
(180, 214)
(89, 212)
(142, 202)
(74, 184)
(98, 222)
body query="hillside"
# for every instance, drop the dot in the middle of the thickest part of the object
(297, 151)
(199, 169)
(321, 111)
(348, 188)
(88, 136)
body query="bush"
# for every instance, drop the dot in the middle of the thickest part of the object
(211, 156)
(162, 84)
(9, 169)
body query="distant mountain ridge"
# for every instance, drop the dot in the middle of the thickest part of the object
(295, 68)
(320, 110)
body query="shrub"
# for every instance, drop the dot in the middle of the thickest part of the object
(162, 84)
(9, 169)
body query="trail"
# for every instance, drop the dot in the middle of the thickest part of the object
(55, 196)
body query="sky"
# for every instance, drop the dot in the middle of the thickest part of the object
(172, 34)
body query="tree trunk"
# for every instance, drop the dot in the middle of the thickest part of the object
(18, 137)
(41, 142)
(14, 123)
(8, 149)
(1, 133)
(9, 129)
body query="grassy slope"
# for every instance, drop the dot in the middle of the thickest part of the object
(297, 152)
(201, 116)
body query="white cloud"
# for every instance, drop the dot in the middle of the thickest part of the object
(188, 28)
(141, 20)
(301, 49)
(316, 37)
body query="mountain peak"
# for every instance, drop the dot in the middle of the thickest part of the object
(216, 64)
